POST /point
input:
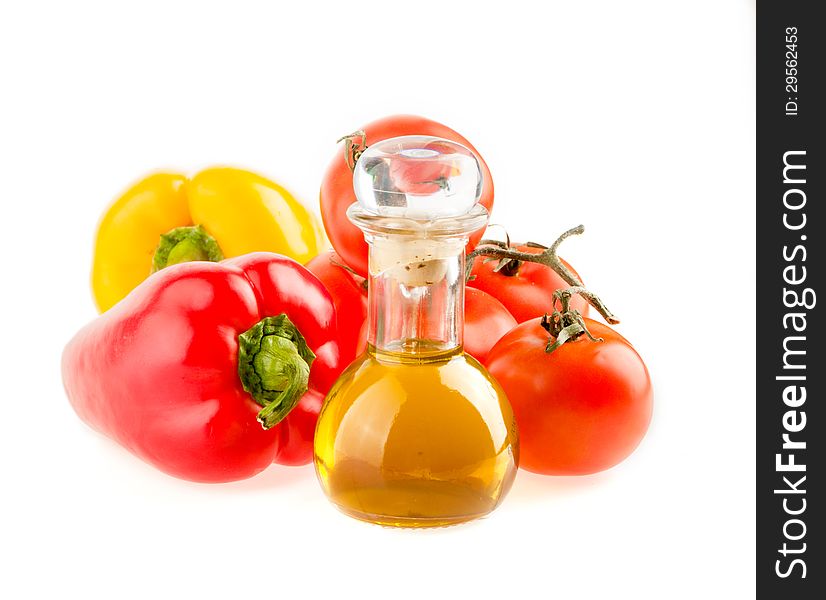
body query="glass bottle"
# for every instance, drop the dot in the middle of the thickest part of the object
(416, 433)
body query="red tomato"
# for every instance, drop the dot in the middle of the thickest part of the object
(527, 293)
(582, 408)
(349, 297)
(486, 320)
(337, 187)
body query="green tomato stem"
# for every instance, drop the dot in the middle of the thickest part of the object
(498, 250)
(565, 324)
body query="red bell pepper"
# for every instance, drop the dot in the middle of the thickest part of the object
(210, 371)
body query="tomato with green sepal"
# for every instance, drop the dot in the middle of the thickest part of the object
(582, 406)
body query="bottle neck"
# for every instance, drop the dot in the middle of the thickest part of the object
(416, 294)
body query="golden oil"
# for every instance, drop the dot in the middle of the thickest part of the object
(416, 440)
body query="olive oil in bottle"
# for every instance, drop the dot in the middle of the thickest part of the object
(415, 433)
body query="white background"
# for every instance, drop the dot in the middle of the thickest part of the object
(635, 118)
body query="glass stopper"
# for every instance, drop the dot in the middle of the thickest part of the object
(417, 177)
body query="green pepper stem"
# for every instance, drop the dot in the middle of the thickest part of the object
(274, 367)
(185, 244)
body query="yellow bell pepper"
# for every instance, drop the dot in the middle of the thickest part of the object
(219, 213)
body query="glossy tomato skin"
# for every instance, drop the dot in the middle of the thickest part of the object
(337, 187)
(349, 294)
(486, 321)
(527, 294)
(582, 408)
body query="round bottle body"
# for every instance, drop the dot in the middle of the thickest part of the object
(416, 439)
